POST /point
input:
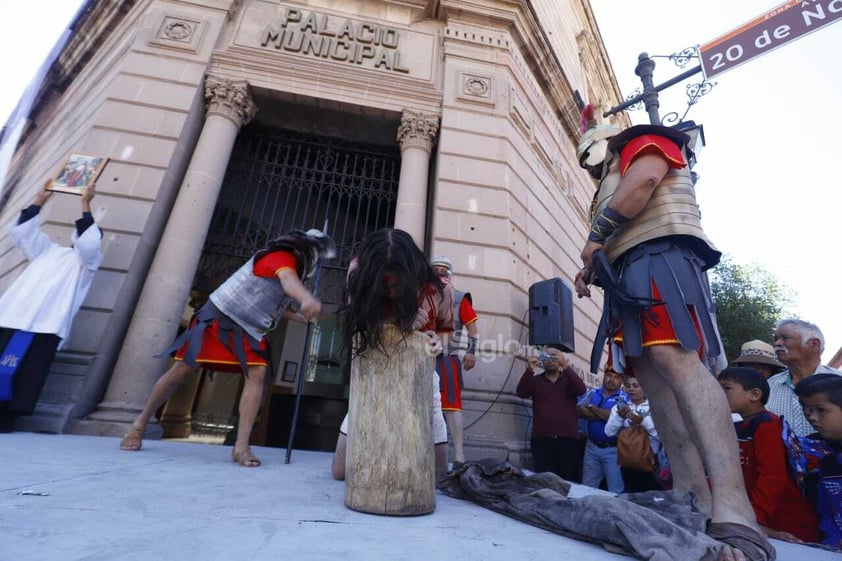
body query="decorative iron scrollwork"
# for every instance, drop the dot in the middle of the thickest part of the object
(672, 118)
(684, 57)
(697, 90)
(694, 92)
(635, 106)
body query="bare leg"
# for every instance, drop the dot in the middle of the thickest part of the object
(161, 391)
(454, 423)
(440, 451)
(249, 405)
(707, 419)
(337, 469)
(685, 461)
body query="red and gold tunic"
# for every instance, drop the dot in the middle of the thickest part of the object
(216, 353)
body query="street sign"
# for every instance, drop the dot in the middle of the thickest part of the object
(765, 33)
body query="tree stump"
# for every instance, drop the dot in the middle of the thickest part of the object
(390, 465)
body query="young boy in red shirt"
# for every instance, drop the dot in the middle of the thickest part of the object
(781, 510)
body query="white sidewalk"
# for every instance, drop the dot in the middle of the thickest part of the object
(69, 498)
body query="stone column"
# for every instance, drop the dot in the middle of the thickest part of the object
(417, 136)
(155, 321)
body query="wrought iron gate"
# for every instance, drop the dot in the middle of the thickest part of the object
(278, 180)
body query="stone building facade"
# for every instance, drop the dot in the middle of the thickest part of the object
(229, 121)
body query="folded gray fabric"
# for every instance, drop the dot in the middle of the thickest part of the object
(652, 525)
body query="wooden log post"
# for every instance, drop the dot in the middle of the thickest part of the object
(390, 465)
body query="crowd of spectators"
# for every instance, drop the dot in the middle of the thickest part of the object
(787, 413)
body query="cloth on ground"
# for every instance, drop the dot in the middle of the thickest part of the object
(652, 525)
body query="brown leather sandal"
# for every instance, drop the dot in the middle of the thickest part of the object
(754, 545)
(133, 441)
(245, 458)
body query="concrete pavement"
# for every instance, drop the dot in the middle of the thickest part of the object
(74, 498)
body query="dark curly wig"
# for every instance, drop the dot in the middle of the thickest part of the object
(384, 287)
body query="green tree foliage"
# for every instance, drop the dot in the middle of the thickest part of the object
(748, 300)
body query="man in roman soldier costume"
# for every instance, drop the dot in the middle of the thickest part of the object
(449, 365)
(228, 333)
(647, 250)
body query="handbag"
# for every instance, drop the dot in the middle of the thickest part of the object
(634, 451)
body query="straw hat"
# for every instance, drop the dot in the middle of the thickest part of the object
(758, 352)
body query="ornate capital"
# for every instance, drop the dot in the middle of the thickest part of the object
(417, 130)
(229, 100)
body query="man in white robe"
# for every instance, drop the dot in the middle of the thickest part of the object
(42, 301)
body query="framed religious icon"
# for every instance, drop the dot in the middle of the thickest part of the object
(78, 171)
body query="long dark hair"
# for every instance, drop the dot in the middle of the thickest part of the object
(371, 301)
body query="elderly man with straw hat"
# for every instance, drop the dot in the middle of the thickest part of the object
(760, 356)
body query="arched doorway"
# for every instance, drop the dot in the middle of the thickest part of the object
(279, 179)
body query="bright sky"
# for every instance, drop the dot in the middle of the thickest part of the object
(769, 182)
(28, 30)
(768, 187)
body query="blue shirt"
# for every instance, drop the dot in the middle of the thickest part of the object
(584, 399)
(596, 427)
(824, 484)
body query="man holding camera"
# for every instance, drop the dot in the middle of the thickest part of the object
(555, 426)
